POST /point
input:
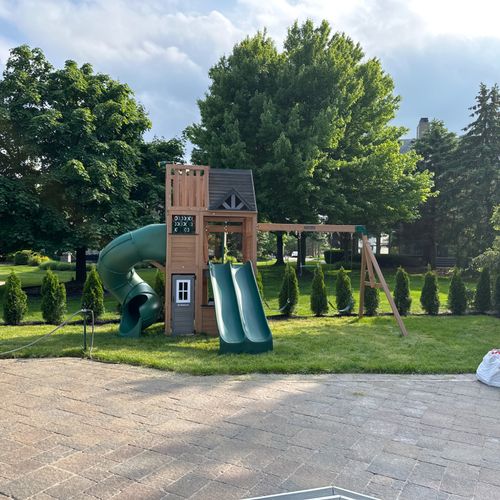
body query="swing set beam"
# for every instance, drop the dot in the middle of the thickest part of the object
(368, 260)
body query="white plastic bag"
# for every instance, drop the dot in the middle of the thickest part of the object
(488, 371)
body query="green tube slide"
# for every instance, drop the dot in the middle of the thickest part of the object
(240, 316)
(140, 303)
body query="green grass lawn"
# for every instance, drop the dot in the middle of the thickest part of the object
(443, 344)
(313, 345)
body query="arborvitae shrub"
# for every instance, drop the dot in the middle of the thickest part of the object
(429, 298)
(319, 299)
(457, 298)
(372, 300)
(289, 293)
(15, 304)
(496, 295)
(53, 295)
(93, 293)
(159, 288)
(482, 298)
(343, 292)
(402, 296)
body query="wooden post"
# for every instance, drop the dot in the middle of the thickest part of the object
(371, 256)
(362, 282)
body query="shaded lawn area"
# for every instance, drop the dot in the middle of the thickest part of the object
(313, 345)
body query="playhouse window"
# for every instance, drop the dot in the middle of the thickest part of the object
(183, 292)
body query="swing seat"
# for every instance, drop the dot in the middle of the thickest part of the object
(348, 309)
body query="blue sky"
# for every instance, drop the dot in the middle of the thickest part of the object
(437, 51)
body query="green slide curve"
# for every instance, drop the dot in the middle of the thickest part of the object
(240, 315)
(141, 305)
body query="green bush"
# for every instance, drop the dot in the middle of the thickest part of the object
(22, 257)
(482, 299)
(15, 304)
(402, 296)
(319, 299)
(56, 265)
(289, 293)
(333, 255)
(496, 295)
(159, 288)
(429, 298)
(372, 300)
(93, 293)
(343, 292)
(53, 295)
(457, 298)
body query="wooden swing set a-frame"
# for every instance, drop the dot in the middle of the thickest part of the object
(369, 263)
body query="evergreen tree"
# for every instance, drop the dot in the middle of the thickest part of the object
(482, 298)
(457, 296)
(93, 293)
(15, 305)
(402, 296)
(435, 226)
(159, 288)
(496, 296)
(372, 301)
(343, 292)
(429, 298)
(53, 294)
(476, 188)
(319, 299)
(289, 293)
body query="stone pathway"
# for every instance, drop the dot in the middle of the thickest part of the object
(75, 428)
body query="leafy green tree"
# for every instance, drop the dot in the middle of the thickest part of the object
(478, 175)
(402, 296)
(159, 288)
(53, 295)
(343, 292)
(429, 298)
(311, 122)
(372, 300)
(482, 298)
(491, 257)
(93, 293)
(319, 298)
(457, 296)
(15, 305)
(496, 295)
(289, 293)
(84, 131)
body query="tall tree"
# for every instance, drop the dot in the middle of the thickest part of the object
(301, 119)
(85, 131)
(479, 174)
(435, 227)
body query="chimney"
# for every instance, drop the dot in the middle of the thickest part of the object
(423, 127)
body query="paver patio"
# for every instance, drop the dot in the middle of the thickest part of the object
(75, 428)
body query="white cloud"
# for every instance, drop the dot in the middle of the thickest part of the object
(164, 48)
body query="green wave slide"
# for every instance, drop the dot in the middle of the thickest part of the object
(141, 305)
(240, 315)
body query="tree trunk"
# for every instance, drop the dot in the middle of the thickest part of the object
(303, 248)
(81, 265)
(378, 244)
(279, 249)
